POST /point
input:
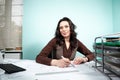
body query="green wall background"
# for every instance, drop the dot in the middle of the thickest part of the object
(92, 17)
(116, 15)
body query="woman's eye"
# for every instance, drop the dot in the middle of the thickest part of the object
(66, 26)
(60, 27)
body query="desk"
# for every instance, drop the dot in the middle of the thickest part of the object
(85, 72)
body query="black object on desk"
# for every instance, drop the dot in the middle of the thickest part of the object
(11, 68)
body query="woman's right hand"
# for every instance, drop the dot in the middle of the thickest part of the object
(61, 62)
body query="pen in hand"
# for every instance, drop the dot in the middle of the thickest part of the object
(70, 62)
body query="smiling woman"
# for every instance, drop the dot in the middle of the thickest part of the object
(64, 44)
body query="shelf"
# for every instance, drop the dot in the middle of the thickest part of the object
(107, 53)
(114, 58)
(115, 68)
(13, 54)
(111, 48)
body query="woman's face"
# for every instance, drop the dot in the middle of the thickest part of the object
(64, 29)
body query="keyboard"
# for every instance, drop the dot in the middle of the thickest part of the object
(11, 68)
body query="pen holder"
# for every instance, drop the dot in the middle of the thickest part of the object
(1, 57)
(2, 76)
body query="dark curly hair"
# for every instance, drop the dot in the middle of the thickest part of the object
(73, 34)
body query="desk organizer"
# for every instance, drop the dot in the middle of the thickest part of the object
(107, 53)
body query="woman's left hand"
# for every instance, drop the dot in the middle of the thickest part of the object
(80, 60)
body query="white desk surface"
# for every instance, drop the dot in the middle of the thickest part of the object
(33, 69)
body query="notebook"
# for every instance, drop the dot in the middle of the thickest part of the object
(11, 68)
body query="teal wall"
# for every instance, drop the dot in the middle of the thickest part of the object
(116, 16)
(92, 17)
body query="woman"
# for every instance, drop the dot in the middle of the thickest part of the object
(61, 50)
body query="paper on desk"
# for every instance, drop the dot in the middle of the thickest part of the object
(43, 69)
